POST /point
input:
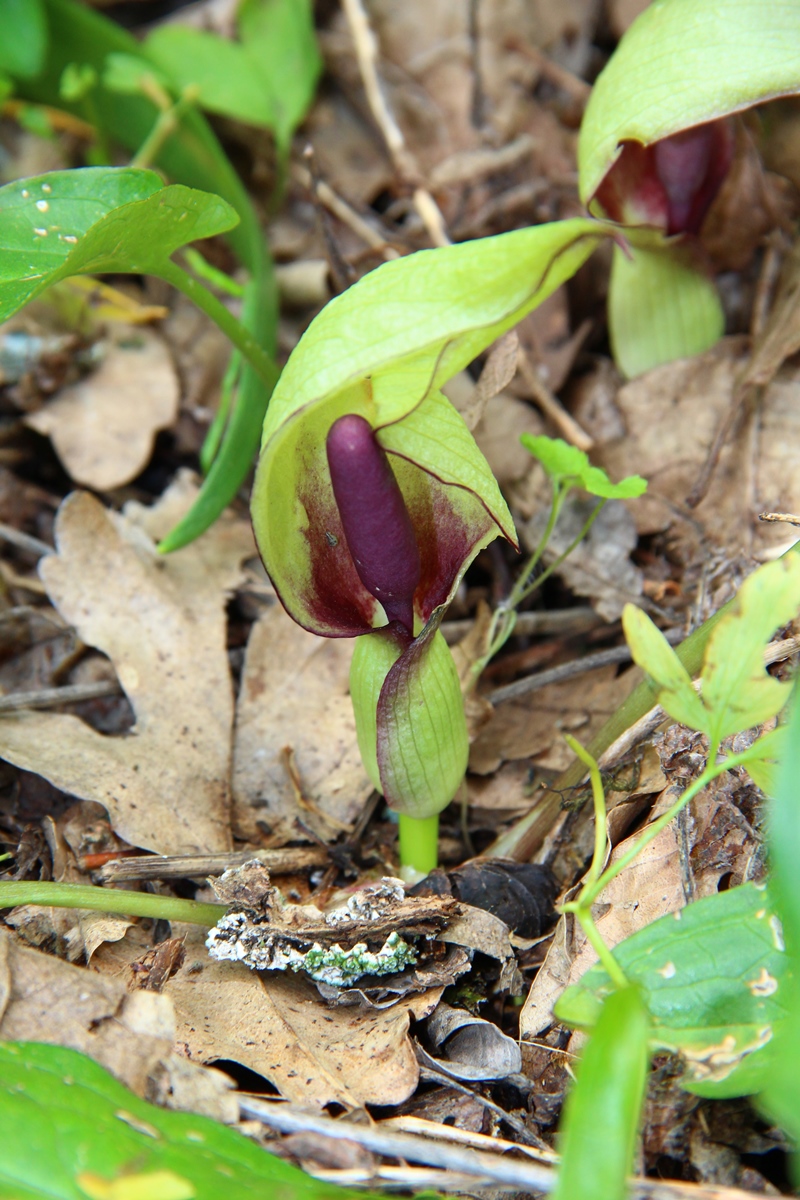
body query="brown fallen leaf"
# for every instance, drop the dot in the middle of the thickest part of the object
(278, 1026)
(165, 784)
(295, 693)
(531, 726)
(44, 999)
(468, 1047)
(103, 428)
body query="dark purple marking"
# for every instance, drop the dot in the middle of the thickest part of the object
(375, 520)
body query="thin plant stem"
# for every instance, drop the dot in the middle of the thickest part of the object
(110, 900)
(599, 800)
(166, 124)
(241, 337)
(540, 579)
(593, 936)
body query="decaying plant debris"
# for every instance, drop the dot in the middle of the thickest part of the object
(162, 721)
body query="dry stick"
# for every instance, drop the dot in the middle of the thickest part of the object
(52, 697)
(559, 621)
(344, 212)
(551, 406)
(366, 47)
(24, 541)
(284, 861)
(524, 1175)
(591, 662)
(575, 87)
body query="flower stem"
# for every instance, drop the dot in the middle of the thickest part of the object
(419, 842)
(110, 900)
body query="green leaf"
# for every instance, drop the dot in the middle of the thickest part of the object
(23, 37)
(601, 1115)
(125, 73)
(266, 79)
(763, 760)
(737, 690)
(279, 35)
(95, 220)
(684, 62)
(713, 977)
(659, 308)
(77, 80)
(781, 1085)
(652, 652)
(70, 1130)
(564, 463)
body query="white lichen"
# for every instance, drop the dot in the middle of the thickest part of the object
(238, 939)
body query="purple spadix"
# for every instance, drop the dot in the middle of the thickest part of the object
(377, 527)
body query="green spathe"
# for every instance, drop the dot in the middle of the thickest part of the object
(412, 732)
(682, 63)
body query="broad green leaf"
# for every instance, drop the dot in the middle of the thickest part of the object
(96, 220)
(230, 81)
(70, 1130)
(23, 37)
(279, 35)
(764, 758)
(601, 1115)
(713, 977)
(737, 690)
(565, 463)
(268, 78)
(127, 74)
(653, 653)
(684, 62)
(659, 308)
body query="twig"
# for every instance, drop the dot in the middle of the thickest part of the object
(551, 406)
(284, 861)
(24, 541)
(558, 621)
(525, 1135)
(52, 697)
(366, 47)
(525, 1175)
(603, 658)
(575, 87)
(344, 212)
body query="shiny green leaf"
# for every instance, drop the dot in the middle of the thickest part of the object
(601, 1115)
(95, 220)
(70, 1130)
(660, 308)
(713, 978)
(684, 62)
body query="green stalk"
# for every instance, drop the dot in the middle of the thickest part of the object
(419, 842)
(110, 900)
(241, 337)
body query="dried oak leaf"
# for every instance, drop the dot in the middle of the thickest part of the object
(103, 427)
(161, 621)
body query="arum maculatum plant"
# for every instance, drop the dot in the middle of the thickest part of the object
(656, 147)
(372, 498)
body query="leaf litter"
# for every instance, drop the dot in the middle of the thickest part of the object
(236, 726)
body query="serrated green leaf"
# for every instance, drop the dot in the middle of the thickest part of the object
(738, 693)
(95, 220)
(601, 1115)
(653, 653)
(684, 62)
(713, 978)
(69, 1128)
(659, 308)
(23, 37)
(563, 462)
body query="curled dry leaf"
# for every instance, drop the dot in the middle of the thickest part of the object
(469, 1047)
(295, 694)
(165, 784)
(103, 428)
